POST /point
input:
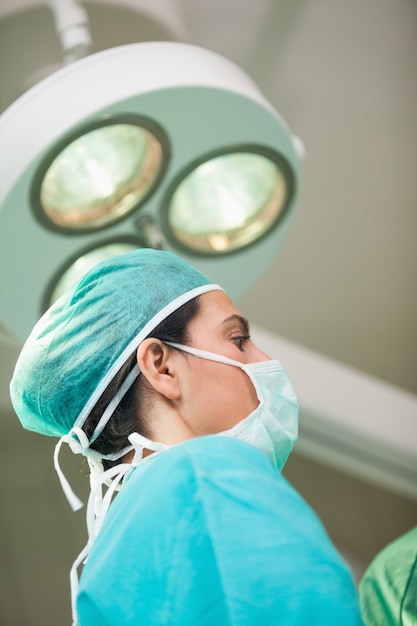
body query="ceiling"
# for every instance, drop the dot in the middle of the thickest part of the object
(343, 75)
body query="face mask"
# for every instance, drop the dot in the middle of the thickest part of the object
(273, 426)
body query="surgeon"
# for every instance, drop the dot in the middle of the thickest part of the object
(388, 588)
(147, 369)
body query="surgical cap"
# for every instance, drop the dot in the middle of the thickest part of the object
(81, 342)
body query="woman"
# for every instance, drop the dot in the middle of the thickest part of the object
(139, 368)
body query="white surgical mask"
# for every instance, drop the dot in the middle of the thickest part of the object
(273, 426)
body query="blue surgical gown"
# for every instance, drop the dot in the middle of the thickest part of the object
(208, 533)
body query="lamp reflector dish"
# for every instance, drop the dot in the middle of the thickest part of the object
(100, 177)
(75, 269)
(228, 202)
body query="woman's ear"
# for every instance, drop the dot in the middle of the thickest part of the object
(156, 363)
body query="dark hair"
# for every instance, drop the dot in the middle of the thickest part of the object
(127, 417)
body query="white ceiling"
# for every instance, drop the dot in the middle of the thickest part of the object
(343, 75)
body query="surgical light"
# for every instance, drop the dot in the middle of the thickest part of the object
(229, 201)
(207, 168)
(99, 176)
(75, 268)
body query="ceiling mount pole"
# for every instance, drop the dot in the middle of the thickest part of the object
(72, 26)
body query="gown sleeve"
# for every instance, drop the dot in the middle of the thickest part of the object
(388, 589)
(208, 533)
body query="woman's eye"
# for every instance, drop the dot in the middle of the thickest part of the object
(240, 341)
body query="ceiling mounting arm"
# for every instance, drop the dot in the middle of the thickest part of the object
(72, 26)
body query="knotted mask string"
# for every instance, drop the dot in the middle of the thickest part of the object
(97, 505)
(78, 446)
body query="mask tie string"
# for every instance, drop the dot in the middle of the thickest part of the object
(139, 443)
(97, 505)
(79, 444)
(78, 447)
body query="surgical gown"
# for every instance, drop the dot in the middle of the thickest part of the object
(388, 589)
(208, 533)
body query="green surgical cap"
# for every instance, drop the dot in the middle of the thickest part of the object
(81, 342)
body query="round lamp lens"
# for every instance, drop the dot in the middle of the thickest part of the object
(227, 202)
(101, 176)
(80, 266)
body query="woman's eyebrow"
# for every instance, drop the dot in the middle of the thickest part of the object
(242, 321)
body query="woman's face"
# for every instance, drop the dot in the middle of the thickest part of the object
(218, 396)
